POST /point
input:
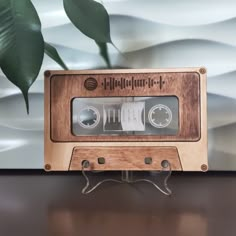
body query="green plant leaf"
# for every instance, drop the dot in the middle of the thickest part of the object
(90, 17)
(21, 43)
(52, 52)
(104, 53)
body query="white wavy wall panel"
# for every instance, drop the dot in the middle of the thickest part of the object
(150, 34)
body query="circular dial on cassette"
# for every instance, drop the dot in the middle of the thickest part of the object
(89, 117)
(160, 116)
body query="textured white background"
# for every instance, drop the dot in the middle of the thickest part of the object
(151, 34)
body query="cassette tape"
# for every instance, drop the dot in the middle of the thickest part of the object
(126, 119)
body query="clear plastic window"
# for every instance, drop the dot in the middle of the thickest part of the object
(125, 116)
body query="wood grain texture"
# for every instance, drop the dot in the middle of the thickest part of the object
(186, 86)
(124, 158)
(58, 154)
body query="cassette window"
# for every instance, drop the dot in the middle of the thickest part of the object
(157, 115)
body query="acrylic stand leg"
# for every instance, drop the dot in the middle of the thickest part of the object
(127, 177)
(87, 188)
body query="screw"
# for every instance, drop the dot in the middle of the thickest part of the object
(47, 167)
(202, 70)
(204, 167)
(47, 73)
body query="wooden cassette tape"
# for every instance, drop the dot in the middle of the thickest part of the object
(126, 119)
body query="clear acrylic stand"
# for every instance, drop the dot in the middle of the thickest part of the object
(128, 177)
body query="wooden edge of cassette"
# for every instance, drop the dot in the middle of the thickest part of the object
(65, 155)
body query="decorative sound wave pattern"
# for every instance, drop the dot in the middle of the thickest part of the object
(122, 83)
(151, 34)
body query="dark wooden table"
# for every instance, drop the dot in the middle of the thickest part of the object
(35, 203)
